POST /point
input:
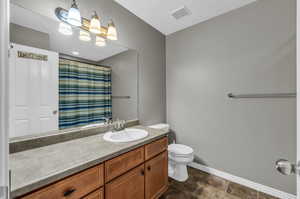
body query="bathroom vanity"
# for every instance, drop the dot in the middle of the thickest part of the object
(92, 168)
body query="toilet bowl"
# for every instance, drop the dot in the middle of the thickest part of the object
(179, 157)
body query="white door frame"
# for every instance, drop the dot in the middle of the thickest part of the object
(4, 46)
(298, 99)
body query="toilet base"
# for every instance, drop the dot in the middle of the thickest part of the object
(178, 171)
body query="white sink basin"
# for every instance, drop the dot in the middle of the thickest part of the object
(126, 135)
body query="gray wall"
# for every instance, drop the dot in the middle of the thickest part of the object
(124, 83)
(249, 50)
(29, 37)
(134, 33)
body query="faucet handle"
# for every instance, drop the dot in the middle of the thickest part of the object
(108, 121)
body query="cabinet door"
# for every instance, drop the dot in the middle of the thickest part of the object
(156, 179)
(128, 186)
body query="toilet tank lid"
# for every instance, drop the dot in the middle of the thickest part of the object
(180, 149)
(160, 126)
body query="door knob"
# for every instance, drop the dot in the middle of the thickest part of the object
(285, 167)
(54, 112)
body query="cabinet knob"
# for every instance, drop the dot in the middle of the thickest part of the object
(69, 192)
(142, 172)
(149, 168)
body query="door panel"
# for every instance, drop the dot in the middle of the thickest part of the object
(33, 92)
(128, 186)
(156, 180)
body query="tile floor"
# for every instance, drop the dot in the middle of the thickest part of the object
(201, 185)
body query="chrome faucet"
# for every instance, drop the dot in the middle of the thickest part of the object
(115, 125)
(118, 125)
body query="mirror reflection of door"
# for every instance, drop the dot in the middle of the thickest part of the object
(33, 91)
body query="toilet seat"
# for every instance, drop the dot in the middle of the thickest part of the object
(180, 150)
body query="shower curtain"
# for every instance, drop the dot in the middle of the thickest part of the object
(84, 93)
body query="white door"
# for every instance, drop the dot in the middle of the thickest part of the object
(4, 5)
(33, 91)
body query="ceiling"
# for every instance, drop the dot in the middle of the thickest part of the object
(62, 43)
(157, 13)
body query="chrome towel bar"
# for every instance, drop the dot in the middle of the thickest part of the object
(121, 97)
(263, 95)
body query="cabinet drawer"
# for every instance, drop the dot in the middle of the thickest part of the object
(156, 147)
(123, 163)
(99, 194)
(73, 187)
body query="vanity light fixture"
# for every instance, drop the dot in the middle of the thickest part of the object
(112, 31)
(65, 29)
(74, 17)
(84, 35)
(74, 20)
(100, 41)
(95, 25)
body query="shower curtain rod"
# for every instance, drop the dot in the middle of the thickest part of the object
(263, 95)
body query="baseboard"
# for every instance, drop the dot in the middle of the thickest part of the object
(242, 181)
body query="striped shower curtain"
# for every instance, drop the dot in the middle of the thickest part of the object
(84, 93)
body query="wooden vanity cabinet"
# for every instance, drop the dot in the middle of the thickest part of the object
(156, 176)
(74, 187)
(98, 194)
(138, 174)
(131, 185)
(147, 181)
(119, 165)
(156, 147)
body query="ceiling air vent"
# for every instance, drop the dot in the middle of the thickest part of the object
(180, 12)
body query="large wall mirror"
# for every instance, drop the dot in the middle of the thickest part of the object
(60, 80)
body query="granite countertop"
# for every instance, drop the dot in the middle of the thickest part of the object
(35, 168)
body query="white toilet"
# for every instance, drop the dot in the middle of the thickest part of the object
(179, 157)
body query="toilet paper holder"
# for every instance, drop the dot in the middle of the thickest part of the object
(285, 167)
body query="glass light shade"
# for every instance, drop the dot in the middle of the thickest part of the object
(84, 35)
(112, 31)
(65, 29)
(95, 25)
(74, 17)
(100, 41)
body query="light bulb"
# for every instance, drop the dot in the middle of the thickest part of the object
(84, 35)
(74, 17)
(100, 41)
(75, 52)
(112, 31)
(95, 25)
(65, 29)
